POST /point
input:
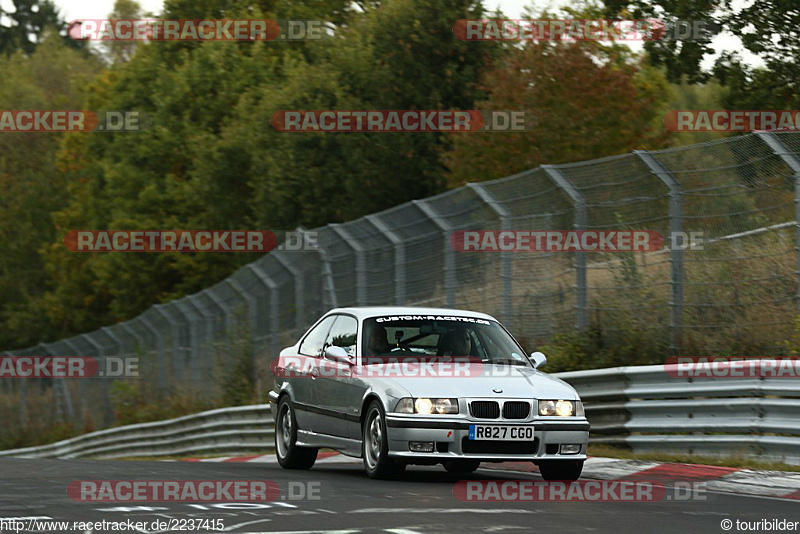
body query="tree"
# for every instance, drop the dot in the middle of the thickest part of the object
(53, 76)
(26, 26)
(590, 101)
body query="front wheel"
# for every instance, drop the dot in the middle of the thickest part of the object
(290, 456)
(375, 445)
(561, 469)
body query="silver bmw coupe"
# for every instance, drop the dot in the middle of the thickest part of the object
(407, 385)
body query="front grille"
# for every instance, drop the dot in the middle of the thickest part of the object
(469, 446)
(516, 410)
(484, 409)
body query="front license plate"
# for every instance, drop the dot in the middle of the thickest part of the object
(500, 433)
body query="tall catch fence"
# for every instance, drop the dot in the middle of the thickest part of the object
(733, 292)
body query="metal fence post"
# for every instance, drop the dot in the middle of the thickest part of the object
(274, 306)
(399, 258)
(100, 351)
(81, 383)
(160, 361)
(176, 342)
(219, 303)
(252, 311)
(328, 292)
(675, 252)
(207, 352)
(505, 256)
(579, 205)
(449, 252)
(63, 392)
(299, 290)
(777, 146)
(361, 266)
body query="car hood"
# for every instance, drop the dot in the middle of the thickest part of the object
(513, 382)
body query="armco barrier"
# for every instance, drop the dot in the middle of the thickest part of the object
(239, 429)
(640, 407)
(646, 409)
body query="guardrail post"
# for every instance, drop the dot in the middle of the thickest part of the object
(675, 251)
(505, 224)
(274, 306)
(299, 290)
(449, 252)
(781, 150)
(579, 205)
(399, 257)
(361, 266)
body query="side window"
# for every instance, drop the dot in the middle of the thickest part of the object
(343, 334)
(312, 344)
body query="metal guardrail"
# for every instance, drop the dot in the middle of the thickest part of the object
(643, 408)
(649, 411)
(239, 429)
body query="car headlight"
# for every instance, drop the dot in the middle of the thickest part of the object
(425, 405)
(561, 408)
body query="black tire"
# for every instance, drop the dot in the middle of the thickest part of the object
(462, 467)
(290, 456)
(375, 445)
(561, 469)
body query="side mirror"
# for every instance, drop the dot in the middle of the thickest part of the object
(338, 354)
(538, 359)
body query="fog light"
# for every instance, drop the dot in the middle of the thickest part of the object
(570, 449)
(420, 446)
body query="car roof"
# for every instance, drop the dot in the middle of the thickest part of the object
(365, 312)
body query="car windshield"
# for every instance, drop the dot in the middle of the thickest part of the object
(392, 337)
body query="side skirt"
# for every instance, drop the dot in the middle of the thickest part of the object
(348, 447)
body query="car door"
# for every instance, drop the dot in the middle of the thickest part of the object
(303, 383)
(338, 393)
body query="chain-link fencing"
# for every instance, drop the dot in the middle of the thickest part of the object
(731, 291)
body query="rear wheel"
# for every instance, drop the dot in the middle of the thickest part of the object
(375, 445)
(290, 456)
(462, 467)
(561, 469)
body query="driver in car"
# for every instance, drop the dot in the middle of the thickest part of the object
(460, 344)
(378, 342)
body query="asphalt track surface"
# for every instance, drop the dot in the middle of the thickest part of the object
(421, 501)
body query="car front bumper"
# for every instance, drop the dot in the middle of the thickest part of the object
(451, 441)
